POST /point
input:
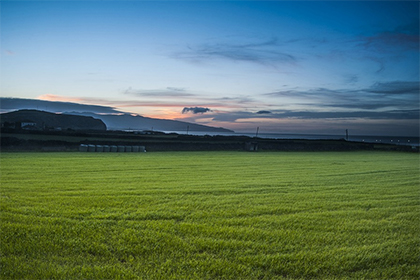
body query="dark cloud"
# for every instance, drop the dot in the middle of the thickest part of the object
(318, 115)
(383, 101)
(266, 52)
(396, 87)
(233, 116)
(381, 95)
(195, 110)
(367, 105)
(384, 40)
(316, 95)
(391, 114)
(403, 37)
(11, 104)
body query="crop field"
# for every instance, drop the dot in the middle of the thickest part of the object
(210, 215)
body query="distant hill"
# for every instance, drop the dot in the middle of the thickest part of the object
(114, 120)
(136, 122)
(40, 120)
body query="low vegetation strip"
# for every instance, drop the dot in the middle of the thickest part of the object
(210, 215)
(12, 141)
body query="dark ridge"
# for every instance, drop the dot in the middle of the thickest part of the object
(42, 121)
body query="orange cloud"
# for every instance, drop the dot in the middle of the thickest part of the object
(53, 97)
(81, 100)
(162, 109)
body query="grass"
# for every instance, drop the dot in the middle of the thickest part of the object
(210, 215)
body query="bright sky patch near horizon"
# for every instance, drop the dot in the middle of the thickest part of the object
(286, 67)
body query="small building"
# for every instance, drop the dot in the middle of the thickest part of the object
(28, 125)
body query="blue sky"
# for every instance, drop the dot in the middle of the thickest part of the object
(286, 67)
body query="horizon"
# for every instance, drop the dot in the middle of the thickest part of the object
(256, 133)
(285, 67)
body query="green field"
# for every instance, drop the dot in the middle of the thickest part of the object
(210, 215)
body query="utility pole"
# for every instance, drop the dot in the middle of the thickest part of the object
(347, 134)
(256, 134)
(188, 128)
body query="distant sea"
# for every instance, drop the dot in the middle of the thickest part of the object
(398, 140)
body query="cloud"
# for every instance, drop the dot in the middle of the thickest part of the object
(195, 110)
(237, 99)
(351, 79)
(403, 37)
(386, 122)
(266, 52)
(386, 88)
(321, 115)
(86, 100)
(175, 89)
(395, 87)
(393, 100)
(56, 103)
(233, 116)
(167, 92)
(384, 40)
(411, 28)
(53, 97)
(391, 114)
(313, 96)
(11, 104)
(381, 95)
(380, 61)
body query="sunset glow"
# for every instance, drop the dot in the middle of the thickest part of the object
(284, 66)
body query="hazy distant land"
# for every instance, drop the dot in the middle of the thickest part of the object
(113, 119)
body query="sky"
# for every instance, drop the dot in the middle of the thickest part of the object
(283, 66)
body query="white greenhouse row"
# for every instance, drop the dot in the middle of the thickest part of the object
(111, 148)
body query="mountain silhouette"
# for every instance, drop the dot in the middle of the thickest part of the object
(113, 119)
(40, 120)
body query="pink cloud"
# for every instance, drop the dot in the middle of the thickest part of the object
(53, 97)
(166, 109)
